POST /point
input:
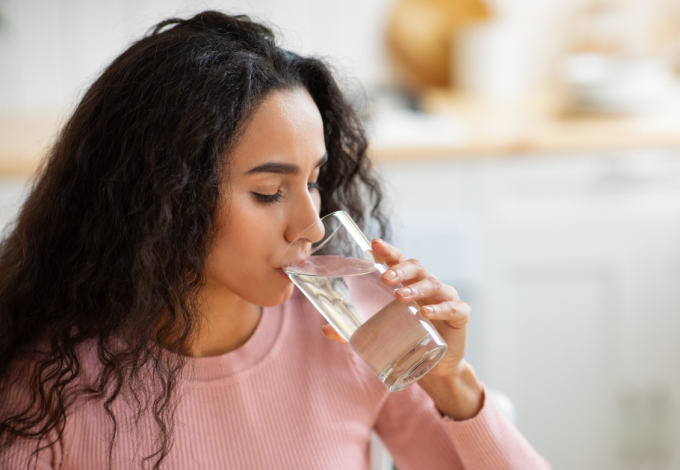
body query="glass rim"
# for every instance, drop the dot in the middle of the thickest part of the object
(325, 239)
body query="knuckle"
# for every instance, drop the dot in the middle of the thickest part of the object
(436, 284)
(464, 310)
(416, 263)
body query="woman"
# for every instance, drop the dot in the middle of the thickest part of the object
(145, 320)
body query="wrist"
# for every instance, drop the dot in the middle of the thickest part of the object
(459, 396)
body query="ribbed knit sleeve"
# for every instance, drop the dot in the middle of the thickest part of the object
(418, 437)
(489, 440)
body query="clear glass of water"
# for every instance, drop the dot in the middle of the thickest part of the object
(333, 264)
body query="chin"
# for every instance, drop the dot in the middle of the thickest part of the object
(275, 295)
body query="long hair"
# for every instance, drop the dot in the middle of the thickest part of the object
(110, 246)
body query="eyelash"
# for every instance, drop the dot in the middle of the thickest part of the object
(268, 198)
(273, 198)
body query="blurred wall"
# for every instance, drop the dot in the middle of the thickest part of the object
(50, 50)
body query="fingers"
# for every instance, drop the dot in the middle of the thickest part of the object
(428, 288)
(455, 312)
(331, 333)
(420, 285)
(400, 270)
(405, 271)
(387, 252)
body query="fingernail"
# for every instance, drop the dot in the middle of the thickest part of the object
(389, 275)
(405, 292)
(327, 331)
(427, 310)
(380, 240)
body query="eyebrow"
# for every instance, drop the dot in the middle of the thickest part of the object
(282, 168)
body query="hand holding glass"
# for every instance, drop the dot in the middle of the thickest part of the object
(333, 264)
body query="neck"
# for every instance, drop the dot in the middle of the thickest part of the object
(227, 321)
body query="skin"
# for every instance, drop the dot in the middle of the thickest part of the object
(271, 199)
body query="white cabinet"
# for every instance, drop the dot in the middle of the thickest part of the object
(572, 267)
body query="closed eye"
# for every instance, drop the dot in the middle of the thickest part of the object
(276, 197)
(268, 198)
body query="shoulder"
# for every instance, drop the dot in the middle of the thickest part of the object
(73, 369)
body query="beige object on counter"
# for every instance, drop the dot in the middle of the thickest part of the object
(419, 36)
(25, 140)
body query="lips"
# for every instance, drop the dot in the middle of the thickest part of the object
(282, 273)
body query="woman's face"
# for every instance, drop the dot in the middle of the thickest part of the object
(270, 199)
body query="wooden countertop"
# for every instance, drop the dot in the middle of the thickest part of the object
(534, 124)
(537, 124)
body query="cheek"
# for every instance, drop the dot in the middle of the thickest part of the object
(242, 241)
(242, 257)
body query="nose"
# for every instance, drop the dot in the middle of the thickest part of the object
(304, 221)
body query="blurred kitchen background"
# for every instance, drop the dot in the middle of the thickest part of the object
(531, 152)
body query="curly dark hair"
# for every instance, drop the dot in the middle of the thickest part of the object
(110, 245)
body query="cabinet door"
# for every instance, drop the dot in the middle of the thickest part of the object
(571, 264)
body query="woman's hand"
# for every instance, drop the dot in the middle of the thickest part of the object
(451, 383)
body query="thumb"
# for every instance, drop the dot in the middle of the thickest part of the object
(329, 332)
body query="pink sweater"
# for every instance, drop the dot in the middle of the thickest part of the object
(289, 399)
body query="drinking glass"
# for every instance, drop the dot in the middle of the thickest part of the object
(333, 264)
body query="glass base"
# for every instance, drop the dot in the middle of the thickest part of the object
(416, 361)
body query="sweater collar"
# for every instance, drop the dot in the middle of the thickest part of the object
(246, 357)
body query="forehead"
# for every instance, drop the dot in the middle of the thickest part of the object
(286, 128)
